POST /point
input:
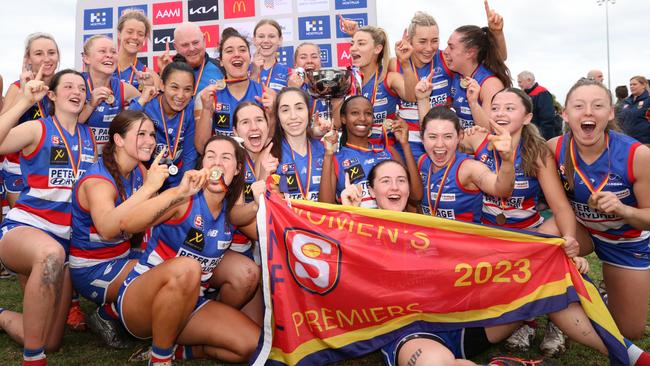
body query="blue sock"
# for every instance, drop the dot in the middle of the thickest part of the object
(34, 356)
(161, 354)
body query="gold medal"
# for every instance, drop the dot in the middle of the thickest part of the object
(220, 84)
(388, 124)
(592, 203)
(215, 174)
(140, 87)
(464, 82)
(110, 99)
(501, 219)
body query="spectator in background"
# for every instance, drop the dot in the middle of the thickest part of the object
(634, 115)
(543, 110)
(596, 75)
(621, 93)
(558, 120)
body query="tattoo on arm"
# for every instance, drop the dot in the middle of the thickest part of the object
(173, 203)
(414, 357)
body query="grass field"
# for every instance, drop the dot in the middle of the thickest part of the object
(87, 349)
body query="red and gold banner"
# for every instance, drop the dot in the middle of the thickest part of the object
(343, 281)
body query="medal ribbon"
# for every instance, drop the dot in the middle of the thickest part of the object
(133, 70)
(40, 109)
(434, 209)
(502, 205)
(251, 165)
(172, 153)
(198, 79)
(582, 175)
(268, 78)
(75, 167)
(293, 156)
(374, 89)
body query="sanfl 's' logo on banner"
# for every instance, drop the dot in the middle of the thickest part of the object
(314, 259)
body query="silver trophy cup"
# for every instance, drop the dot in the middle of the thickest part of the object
(328, 83)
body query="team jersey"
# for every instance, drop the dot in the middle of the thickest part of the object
(456, 202)
(384, 102)
(300, 176)
(174, 134)
(275, 77)
(440, 95)
(129, 75)
(103, 115)
(356, 162)
(39, 110)
(225, 105)
(197, 234)
(459, 94)
(50, 172)
(87, 247)
(240, 242)
(616, 165)
(520, 209)
(206, 74)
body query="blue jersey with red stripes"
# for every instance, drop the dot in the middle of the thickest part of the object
(616, 162)
(440, 95)
(37, 111)
(459, 94)
(45, 202)
(103, 115)
(275, 77)
(520, 209)
(180, 134)
(130, 74)
(87, 247)
(225, 104)
(456, 202)
(384, 106)
(300, 175)
(240, 242)
(206, 74)
(356, 162)
(197, 234)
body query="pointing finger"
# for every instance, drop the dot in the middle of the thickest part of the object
(39, 75)
(347, 180)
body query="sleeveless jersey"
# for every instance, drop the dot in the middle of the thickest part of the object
(357, 162)
(384, 106)
(459, 94)
(520, 209)
(185, 154)
(240, 242)
(103, 115)
(617, 163)
(225, 105)
(37, 111)
(440, 94)
(45, 201)
(87, 247)
(456, 202)
(197, 234)
(301, 174)
(206, 74)
(129, 75)
(275, 77)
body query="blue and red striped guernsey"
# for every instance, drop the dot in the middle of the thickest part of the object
(520, 209)
(103, 115)
(384, 104)
(456, 202)
(50, 174)
(356, 162)
(197, 235)
(617, 164)
(87, 247)
(459, 94)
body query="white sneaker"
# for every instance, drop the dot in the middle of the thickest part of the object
(554, 342)
(520, 339)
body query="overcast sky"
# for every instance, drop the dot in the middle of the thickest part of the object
(558, 40)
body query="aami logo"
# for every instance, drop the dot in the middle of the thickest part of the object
(285, 55)
(211, 35)
(238, 8)
(343, 54)
(350, 4)
(100, 18)
(314, 260)
(168, 13)
(198, 10)
(161, 37)
(314, 27)
(325, 55)
(361, 19)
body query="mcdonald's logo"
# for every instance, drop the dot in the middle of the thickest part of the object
(239, 8)
(211, 35)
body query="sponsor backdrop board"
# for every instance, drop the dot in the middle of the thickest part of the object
(315, 21)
